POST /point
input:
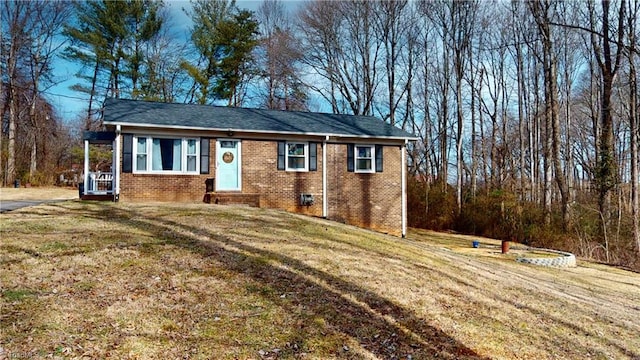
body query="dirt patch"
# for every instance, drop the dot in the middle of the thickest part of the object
(151, 281)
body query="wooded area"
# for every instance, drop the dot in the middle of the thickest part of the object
(527, 112)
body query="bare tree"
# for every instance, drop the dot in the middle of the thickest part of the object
(15, 18)
(48, 19)
(342, 48)
(608, 56)
(543, 12)
(394, 22)
(634, 119)
(282, 56)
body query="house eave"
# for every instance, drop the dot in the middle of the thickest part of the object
(261, 132)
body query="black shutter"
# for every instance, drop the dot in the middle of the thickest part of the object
(350, 159)
(127, 153)
(313, 156)
(204, 156)
(379, 149)
(281, 149)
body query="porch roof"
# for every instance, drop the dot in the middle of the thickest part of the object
(99, 137)
(220, 118)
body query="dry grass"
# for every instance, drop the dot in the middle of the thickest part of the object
(151, 281)
(38, 193)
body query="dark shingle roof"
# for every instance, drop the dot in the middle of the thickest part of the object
(206, 117)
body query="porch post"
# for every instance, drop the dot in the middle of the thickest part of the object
(86, 166)
(116, 164)
(403, 149)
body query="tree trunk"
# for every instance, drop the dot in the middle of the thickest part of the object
(634, 124)
(606, 172)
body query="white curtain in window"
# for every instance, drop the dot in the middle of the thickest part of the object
(156, 154)
(177, 154)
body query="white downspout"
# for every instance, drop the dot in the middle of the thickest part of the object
(403, 149)
(325, 196)
(86, 167)
(116, 165)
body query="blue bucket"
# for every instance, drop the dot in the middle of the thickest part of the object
(476, 244)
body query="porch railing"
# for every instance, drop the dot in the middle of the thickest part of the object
(100, 183)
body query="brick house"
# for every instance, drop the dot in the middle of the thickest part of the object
(346, 168)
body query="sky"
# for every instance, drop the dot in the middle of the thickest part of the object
(70, 105)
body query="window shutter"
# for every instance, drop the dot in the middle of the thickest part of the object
(281, 150)
(204, 156)
(350, 158)
(127, 153)
(379, 149)
(313, 156)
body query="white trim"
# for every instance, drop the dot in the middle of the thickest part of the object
(355, 158)
(242, 131)
(403, 162)
(86, 166)
(149, 154)
(306, 156)
(116, 164)
(239, 153)
(325, 195)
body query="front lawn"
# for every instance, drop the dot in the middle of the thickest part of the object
(196, 281)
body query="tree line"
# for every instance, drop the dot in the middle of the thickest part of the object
(526, 112)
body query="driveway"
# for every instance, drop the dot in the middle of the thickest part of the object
(8, 205)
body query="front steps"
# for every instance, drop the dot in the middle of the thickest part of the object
(224, 198)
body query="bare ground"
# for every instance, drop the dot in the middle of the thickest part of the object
(150, 281)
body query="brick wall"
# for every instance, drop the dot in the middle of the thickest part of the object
(279, 189)
(367, 200)
(165, 188)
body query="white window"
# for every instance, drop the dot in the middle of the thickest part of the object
(192, 155)
(141, 154)
(364, 158)
(166, 155)
(297, 156)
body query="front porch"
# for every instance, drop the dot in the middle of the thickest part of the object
(102, 183)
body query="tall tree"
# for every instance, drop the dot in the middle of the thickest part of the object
(106, 39)
(281, 59)
(237, 38)
(608, 52)
(463, 20)
(224, 38)
(393, 24)
(48, 21)
(30, 30)
(342, 48)
(542, 12)
(15, 17)
(143, 23)
(634, 118)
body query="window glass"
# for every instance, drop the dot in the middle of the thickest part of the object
(192, 156)
(166, 154)
(364, 152)
(364, 158)
(141, 157)
(228, 144)
(296, 156)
